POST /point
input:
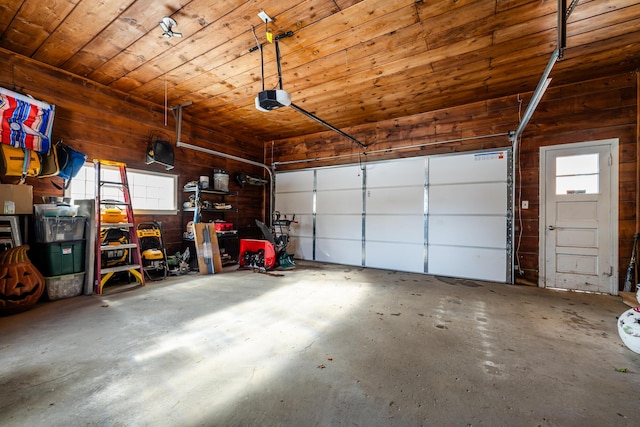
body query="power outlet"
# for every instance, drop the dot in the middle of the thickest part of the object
(525, 204)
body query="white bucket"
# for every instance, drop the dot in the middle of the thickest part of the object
(204, 182)
(220, 180)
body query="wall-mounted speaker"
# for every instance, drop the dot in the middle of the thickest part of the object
(161, 152)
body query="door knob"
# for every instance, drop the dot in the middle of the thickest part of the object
(551, 228)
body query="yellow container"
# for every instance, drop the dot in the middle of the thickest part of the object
(113, 215)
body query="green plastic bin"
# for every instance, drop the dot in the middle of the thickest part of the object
(58, 258)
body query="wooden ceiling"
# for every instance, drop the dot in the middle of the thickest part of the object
(349, 62)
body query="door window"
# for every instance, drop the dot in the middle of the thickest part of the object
(577, 174)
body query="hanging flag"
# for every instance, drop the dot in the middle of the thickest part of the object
(25, 122)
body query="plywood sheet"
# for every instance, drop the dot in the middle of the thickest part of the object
(210, 253)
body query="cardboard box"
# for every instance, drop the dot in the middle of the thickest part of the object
(16, 199)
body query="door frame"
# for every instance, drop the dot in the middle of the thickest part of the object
(613, 143)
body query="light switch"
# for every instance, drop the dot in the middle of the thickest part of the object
(525, 204)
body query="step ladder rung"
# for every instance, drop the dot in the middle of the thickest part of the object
(116, 225)
(119, 268)
(134, 258)
(107, 248)
(113, 203)
(113, 184)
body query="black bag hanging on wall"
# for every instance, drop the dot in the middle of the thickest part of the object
(50, 162)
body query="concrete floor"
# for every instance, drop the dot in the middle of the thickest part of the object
(322, 345)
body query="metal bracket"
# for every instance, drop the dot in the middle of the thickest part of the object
(178, 117)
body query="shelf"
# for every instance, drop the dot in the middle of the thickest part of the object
(232, 210)
(211, 191)
(228, 241)
(220, 234)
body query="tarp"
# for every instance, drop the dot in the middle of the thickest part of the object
(25, 122)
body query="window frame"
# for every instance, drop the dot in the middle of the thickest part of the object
(90, 166)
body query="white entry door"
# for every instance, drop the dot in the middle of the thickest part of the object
(579, 216)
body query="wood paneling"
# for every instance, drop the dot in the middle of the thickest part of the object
(350, 62)
(106, 124)
(591, 110)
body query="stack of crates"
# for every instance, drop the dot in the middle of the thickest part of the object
(58, 253)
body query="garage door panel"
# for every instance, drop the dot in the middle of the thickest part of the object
(342, 251)
(339, 178)
(339, 226)
(301, 247)
(479, 199)
(395, 256)
(298, 203)
(475, 231)
(468, 168)
(395, 228)
(396, 174)
(302, 227)
(339, 202)
(399, 200)
(472, 263)
(294, 181)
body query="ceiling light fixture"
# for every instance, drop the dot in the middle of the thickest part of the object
(167, 25)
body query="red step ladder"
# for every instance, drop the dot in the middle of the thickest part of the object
(133, 263)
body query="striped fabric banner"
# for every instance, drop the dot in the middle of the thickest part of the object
(25, 122)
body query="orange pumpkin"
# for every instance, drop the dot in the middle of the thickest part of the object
(21, 284)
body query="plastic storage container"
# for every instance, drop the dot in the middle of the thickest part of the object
(59, 229)
(65, 286)
(58, 258)
(220, 180)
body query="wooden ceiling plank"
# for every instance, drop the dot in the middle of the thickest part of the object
(240, 71)
(506, 5)
(238, 75)
(223, 30)
(32, 24)
(236, 47)
(606, 36)
(453, 15)
(605, 23)
(81, 25)
(8, 11)
(529, 27)
(139, 19)
(192, 18)
(343, 4)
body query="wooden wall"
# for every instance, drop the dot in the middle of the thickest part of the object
(592, 110)
(107, 124)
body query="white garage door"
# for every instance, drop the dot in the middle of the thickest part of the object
(442, 215)
(468, 216)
